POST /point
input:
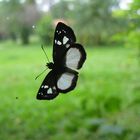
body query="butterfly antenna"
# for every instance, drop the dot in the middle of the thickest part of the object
(45, 53)
(41, 73)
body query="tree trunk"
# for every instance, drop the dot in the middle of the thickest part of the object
(25, 33)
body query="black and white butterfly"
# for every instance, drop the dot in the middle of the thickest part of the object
(68, 57)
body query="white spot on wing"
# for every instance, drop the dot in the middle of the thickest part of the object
(67, 45)
(65, 40)
(55, 41)
(49, 91)
(46, 86)
(59, 43)
(54, 88)
(73, 57)
(65, 81)
(64, 31)
(42, 86)
(40, 93)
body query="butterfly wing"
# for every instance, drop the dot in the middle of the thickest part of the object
(66, 81)
(48, 89)
(63, 38)
(75, 56)
(68, 54)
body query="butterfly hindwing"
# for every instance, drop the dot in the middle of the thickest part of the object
(63, 38)
(48, 89)
(66, 81)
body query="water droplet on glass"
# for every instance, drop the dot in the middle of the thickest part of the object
(33, 26)
(7, 18)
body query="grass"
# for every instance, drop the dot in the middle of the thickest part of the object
(104, 105)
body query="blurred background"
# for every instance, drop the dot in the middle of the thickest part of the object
(105, 103)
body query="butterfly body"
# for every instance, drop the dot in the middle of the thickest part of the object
(68, 57)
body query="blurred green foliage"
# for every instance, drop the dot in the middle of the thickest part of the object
(95, 22)
(45, 29)
(62, 10)
(133, 33)
(104, 105)
(17, 19)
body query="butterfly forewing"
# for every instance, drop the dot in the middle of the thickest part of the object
(63, 38)
(48, 89)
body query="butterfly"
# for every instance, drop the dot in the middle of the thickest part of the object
(68, 57)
